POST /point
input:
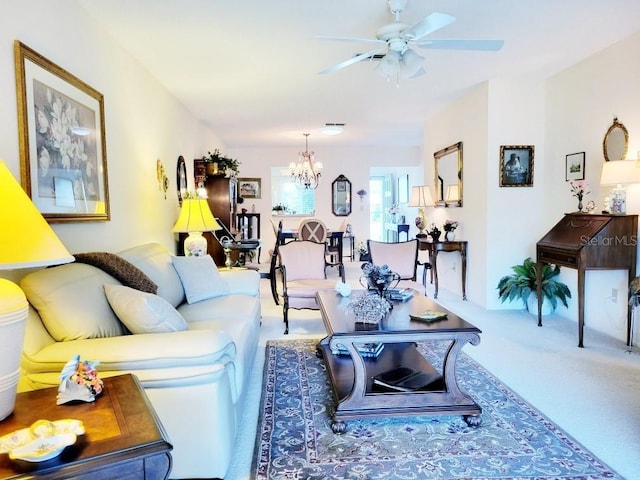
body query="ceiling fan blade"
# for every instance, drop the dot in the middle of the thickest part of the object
(351, 61)
(428, 25)
(455, 44)
(350, 39)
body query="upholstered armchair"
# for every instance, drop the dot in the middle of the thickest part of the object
(302, 273)
(402, 258)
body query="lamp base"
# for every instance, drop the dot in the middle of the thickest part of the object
(195, 245)
(13, 315)
(618, 201)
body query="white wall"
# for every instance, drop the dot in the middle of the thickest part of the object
(581, 103)
(354, 163)
(143, 122)
(567, 113)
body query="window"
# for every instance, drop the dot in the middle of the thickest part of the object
(285, 192)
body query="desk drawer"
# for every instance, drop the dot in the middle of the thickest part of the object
(566, 259)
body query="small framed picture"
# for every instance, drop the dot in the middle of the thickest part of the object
(250, 187)
(516, 165)
(574, 168)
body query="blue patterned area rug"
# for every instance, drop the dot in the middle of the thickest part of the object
(514, 441)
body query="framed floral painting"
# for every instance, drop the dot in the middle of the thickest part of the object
(63, 160)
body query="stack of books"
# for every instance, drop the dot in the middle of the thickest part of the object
(369, 350)
(400, 294)
(405, 379)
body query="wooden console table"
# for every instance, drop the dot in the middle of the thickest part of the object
(123, 439)
(589, 242)
(453, 246)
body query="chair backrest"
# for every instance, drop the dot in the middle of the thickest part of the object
(401, 257)
(312, 229)
(303, 260)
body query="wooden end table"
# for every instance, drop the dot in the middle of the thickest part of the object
(124, 438)
(352, 375)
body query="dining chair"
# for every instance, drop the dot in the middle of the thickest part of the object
(402, 258)
(312, 229)
(302, 272)
(315, 230)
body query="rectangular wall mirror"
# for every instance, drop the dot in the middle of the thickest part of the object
(448, 176)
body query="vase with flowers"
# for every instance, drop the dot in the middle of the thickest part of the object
(449, 230)
(579, 188)
(378, 278)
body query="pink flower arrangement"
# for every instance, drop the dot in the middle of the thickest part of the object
(579, 188)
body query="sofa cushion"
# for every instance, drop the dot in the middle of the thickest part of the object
(143, 312)
(71, 302)
(200, 278)
(154, 260)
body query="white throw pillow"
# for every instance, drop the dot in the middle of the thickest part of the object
(200, 278)
(143, 312)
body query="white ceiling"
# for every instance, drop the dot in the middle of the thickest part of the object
(248, 68)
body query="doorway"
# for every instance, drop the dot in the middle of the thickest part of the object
(381, 188)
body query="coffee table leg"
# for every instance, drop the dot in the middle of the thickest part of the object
(338, 427)
(472, 420)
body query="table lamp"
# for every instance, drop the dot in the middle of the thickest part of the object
(27, 241)
(195, 218)
(619, 173)
(453, 195)
(421, 197)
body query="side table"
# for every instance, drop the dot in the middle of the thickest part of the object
(447, 246)
(124, 437)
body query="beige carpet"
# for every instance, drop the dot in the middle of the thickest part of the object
(593, 393)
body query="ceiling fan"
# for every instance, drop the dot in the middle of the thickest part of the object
(396, 58)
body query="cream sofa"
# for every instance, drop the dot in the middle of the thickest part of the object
(194, 378)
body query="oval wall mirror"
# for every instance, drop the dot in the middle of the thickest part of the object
(616, 142)
(181, 179)
(448, 176)
(341, 196)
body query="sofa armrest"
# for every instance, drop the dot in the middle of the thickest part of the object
(152, 351)
(242, 280)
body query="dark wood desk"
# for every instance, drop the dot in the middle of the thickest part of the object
(589, 242)
(124, 438)
(453, 246)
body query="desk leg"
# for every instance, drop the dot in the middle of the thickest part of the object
(434, 271)
(581, 274)
(463, 257)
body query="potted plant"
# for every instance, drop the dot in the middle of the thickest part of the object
(279, 208)
(522, 284)
(218, 164)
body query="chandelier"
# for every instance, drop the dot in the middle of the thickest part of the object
(305, 173)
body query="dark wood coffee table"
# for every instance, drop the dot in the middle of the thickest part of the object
(351, 375)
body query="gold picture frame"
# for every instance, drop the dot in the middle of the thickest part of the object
(63, 159)
(250, 187)
(516, 165)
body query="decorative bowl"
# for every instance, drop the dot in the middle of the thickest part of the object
(43, 440)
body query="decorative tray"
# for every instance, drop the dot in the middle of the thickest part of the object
(41, 441)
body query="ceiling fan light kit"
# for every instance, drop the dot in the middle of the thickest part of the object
(399, 60)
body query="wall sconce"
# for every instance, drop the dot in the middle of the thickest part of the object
(362, 193)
